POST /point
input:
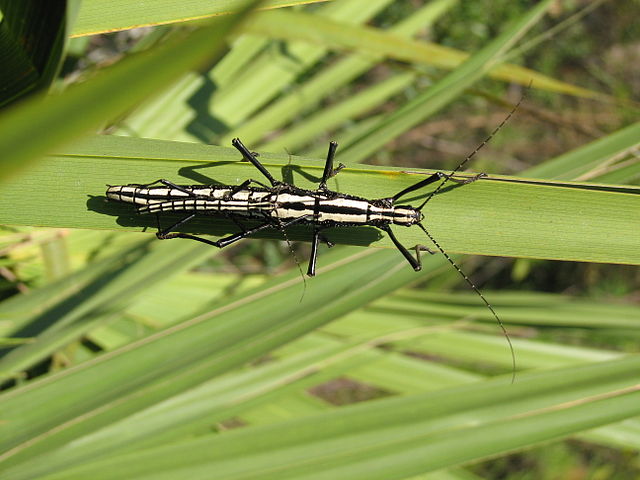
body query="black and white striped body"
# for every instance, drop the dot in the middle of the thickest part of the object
(281, 203)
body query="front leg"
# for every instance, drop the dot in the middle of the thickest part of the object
(417, 186)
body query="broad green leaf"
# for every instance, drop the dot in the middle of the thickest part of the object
(504, 216)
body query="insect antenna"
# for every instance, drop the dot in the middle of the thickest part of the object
(295, 257)
(472, 154)
(475, 289)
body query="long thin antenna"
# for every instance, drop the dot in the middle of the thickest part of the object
(472, 154)
(295, 257)
(475, 289)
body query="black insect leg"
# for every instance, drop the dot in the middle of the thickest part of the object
(329, 171)
(243, 186)
(252, 158)
(414, 262)
(317, 238)
(434, 178)
(311, 270)
(235, 189)
(223, 242)
(164, 234)
(422, 183)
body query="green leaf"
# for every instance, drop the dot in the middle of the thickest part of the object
(100, 16)
(575, 163)
(325, 83)
(444, 91)
(41, 124)
(32, 35)
(506, 216)
(289, 25)
(239, 92)
(74, 312)
(397, 438)
(227, 336)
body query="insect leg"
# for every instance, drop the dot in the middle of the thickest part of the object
(329, 171)
(415, 263)
(252, 158)
(223, 242)
(317, 238)
(311, 270)
(235, 189)
(244, 185)
(165, 234)
(422, 183)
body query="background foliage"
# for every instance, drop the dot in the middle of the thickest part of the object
(126, 357)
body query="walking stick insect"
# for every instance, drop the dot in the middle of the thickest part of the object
(279, 205)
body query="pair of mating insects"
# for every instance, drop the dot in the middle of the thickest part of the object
(280, 205)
